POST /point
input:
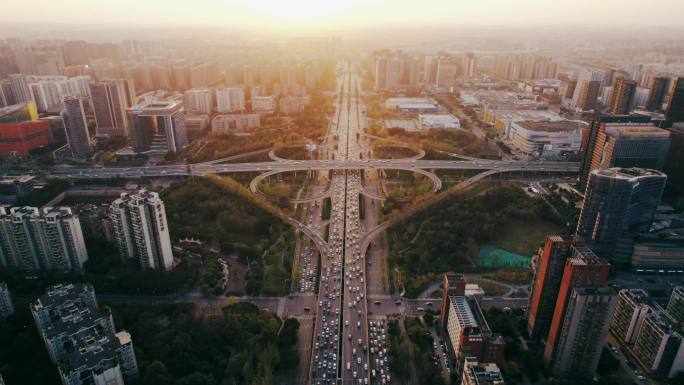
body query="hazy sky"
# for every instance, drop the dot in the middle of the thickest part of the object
(317, 15)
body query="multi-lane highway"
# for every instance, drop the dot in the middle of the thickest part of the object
(340, 352)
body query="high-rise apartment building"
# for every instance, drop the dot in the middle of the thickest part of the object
(583, 269)
(111, 99)
(141, 230)
(20, 88)
(587, 90)
(81, 338)
(75, 53)
(623, 141)
(49, 93)
(46, 239)
(468, 66)
(675, 109)
(6, 307)
(230, 99)
(447, 70)
(631, 309)
(617, 200)
(657, 93)
(380, 78)
(203, 75)
(675, 305)
(6, 94)
(621, 101)
(659, 346)
(582, 332)
(199, 101)
(76, 126)
(548, 274)
(157, 127)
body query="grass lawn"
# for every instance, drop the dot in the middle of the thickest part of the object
(524, 238)
(490, 288)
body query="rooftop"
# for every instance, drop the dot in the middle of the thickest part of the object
(552, 126)
(484, 374)
(628, 173)
(441, 120)
(59, 294)
(636, 131)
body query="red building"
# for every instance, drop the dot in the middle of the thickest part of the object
(583, 270)
(548, 272)
(17, 139)
(468, 331)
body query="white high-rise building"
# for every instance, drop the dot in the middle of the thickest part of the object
(199, 101)
(141, 231)
(584, 78)
(20, 88)
(48, 93)
(230, 99)
(47, 239)
(79, 86)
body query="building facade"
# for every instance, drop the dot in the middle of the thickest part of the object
(6, 307)
(141, 230)
(158, 127)
(623, 141)
(583, 332)
(199, 101)
(230, 99)
(45, 239)
(616, 200)
(227, 123)
(631, 308)
(111, 99)
(583, 269)
(548, 274)
(622, 98)
(76, 127)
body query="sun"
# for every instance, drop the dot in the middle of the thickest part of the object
(303, 10)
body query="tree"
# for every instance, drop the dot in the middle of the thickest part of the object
(197, 379)
(157, 374)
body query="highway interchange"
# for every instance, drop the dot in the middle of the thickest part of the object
(341, 351)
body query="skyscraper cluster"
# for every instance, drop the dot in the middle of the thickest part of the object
(570, 306)
(524, 67)
(81, 338)
(619, 91)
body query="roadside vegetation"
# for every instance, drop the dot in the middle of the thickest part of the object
(240, 345)
(411, 352)
(210, 209)
(448, 235)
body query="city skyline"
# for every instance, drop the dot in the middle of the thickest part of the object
(342, 192)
